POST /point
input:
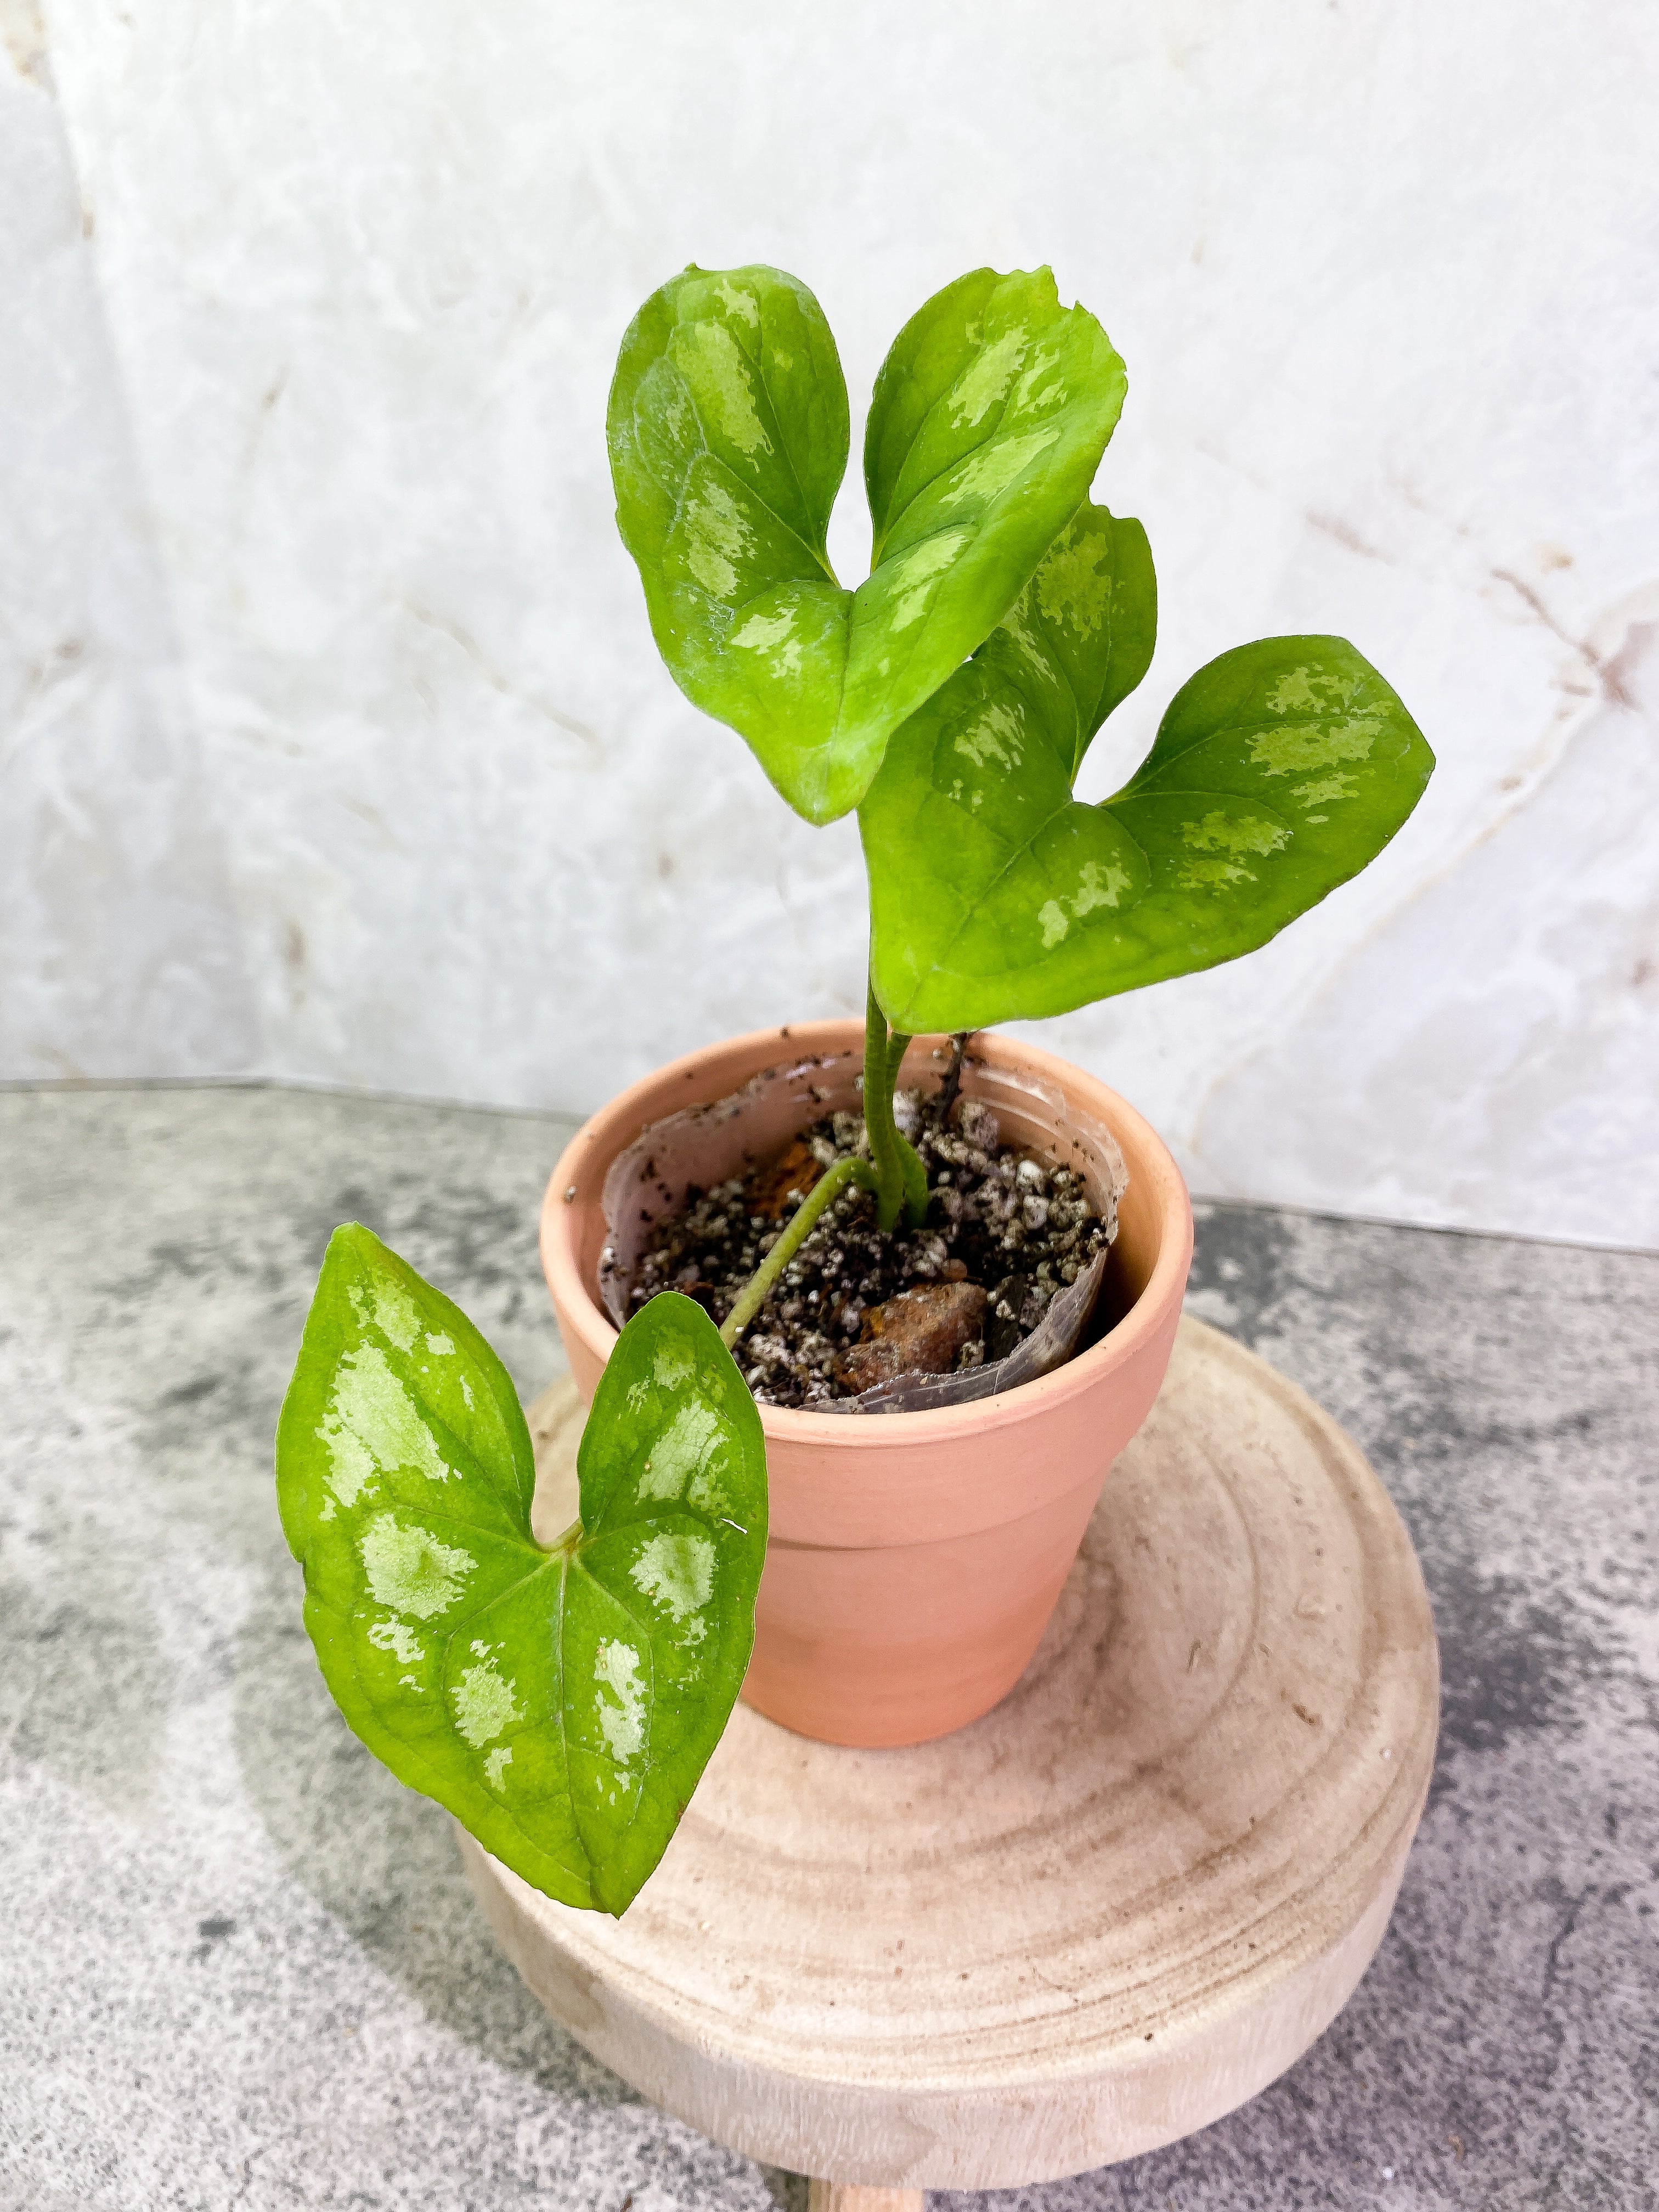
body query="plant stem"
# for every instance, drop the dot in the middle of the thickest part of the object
(800, 1225)
(893, 1172)
(901, 1179)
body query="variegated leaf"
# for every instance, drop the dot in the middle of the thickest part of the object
(561, 1703)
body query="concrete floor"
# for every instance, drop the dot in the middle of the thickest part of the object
(240, 1965)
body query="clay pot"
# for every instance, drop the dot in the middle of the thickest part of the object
(913, 1558)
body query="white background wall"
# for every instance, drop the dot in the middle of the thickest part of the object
(334, 744)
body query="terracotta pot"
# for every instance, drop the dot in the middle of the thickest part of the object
(915, 1557)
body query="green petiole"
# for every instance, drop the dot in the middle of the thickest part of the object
(901, 1179)
(824, 1193)
(893, 1172)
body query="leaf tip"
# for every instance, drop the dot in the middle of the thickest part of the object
(351, 1237)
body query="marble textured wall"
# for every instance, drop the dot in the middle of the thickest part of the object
(352, 761)
(119, 946)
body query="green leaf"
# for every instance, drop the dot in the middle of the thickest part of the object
(1079, 637)
(727, 429)
(990, 415)
(1280, 771)
(561, 1703)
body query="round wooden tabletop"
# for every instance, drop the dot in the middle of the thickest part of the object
(1094, 1921)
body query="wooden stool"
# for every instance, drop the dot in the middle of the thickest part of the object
(1094, 1921)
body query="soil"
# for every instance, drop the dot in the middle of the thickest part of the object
(1005, 1231)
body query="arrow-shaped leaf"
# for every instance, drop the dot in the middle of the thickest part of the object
(561, 1703)
(727, 428)
(1280, 771)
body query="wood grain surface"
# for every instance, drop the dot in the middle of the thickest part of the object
(850, 2197)
(1094, 1921)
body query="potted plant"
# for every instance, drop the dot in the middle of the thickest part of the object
(562, 1697)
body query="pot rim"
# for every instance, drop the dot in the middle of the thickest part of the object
(590, 1152)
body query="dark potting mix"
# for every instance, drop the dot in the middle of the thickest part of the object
(1006, 1232)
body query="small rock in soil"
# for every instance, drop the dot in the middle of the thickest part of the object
(913, 1333)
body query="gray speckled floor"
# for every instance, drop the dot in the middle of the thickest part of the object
(240, 1965)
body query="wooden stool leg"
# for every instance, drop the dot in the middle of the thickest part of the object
(848, 2197)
